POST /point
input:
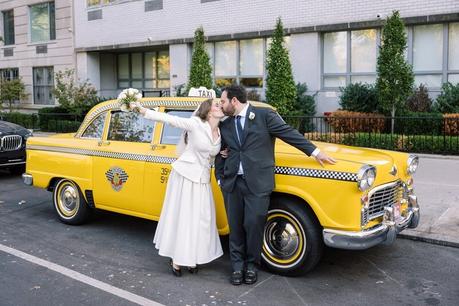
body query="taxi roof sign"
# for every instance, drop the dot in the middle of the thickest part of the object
(202, 92)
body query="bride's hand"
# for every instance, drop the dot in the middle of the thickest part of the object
(136, 107)
(224, 153)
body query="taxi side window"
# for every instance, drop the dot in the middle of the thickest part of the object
(131, 127)
(171, 135)
(96, 128)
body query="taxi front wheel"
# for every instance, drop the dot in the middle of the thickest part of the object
(292, 239)
(69, 203)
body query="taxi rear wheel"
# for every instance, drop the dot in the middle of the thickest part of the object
(69, 203)
(292, 239)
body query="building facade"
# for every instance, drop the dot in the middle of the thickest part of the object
(37, 42)
(147, 44)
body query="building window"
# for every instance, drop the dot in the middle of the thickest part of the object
(240, 62)
(93, 3)
(42, 22)
(147, 70)
(435, 54)
(8, 27)
(428, 54)
(43, 84)
(349, 57)
(9, 74)
(453, 53)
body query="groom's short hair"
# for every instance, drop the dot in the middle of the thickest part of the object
(237, 91)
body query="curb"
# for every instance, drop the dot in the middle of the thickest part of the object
(429, 240)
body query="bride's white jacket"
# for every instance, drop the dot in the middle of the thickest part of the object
(196, 160)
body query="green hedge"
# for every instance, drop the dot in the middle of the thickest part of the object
(417, 123)
(374, 140)
(63, 126)
(29, 121)
(396, 142)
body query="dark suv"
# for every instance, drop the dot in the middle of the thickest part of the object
(12, 146)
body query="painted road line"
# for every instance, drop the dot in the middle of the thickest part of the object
(80, 277)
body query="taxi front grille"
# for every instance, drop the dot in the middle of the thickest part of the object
(381, 196)
(10, 142)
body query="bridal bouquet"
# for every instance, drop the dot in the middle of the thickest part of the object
(126, 97)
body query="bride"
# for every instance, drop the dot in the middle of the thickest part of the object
(187, 229)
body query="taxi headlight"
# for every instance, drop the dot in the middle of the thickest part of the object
(412, 164)
(366, 177)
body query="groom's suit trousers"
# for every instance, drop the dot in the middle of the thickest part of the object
(246, 216)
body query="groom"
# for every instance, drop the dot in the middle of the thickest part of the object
(246, 176)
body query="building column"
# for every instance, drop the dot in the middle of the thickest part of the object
(88, 68)
(179, 57)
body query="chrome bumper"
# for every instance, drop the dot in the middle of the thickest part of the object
(27, 179)
(384, 233)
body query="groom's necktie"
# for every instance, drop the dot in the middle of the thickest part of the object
(239, 132)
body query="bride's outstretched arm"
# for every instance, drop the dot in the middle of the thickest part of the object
(182, 123)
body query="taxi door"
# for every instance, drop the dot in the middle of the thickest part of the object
(158, 165)
(119, 165)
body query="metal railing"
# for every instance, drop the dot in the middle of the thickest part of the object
(430, 134)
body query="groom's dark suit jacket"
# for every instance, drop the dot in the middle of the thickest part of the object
(257, 149)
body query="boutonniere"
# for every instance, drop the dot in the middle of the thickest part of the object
(251, 116)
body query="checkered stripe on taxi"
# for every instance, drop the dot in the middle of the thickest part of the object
(116, 155)
(332, 175)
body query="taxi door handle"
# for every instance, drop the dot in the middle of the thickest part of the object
(103, 143)
(157, 146)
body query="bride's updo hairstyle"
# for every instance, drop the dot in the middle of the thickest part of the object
(203, 110)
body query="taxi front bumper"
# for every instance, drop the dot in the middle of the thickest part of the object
(384, 233)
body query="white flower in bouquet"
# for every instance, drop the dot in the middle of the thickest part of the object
(127, 96)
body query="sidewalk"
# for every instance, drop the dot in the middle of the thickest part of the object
(437, 187)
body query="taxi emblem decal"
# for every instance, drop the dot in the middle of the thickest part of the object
(117, 177)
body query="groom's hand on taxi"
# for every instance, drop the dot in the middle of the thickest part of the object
(324, 158)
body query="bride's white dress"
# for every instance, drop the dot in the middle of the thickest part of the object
(187, 229)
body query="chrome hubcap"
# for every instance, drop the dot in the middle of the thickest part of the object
(68, 199)
(281, 238)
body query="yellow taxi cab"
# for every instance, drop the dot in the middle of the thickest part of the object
(120, 162)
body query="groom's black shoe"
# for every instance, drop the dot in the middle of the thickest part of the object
(250, 277)
(236, 278)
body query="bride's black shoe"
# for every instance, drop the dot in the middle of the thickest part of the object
(176, 272)
(193, 270)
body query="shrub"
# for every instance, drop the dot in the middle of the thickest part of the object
(63, 126)
(420, 100)
(200, 70)
(29, 121)
(373, 140)
(280, 86)
(395, 78)
(12, 91)
(350, 122)
(51, 113)
(448, 100)
(451, 124)
(428, 144)
(74, 96)
(415, 123)
(358, 97)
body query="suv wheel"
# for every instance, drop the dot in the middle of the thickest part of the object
(292, 239)
(69, 203)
